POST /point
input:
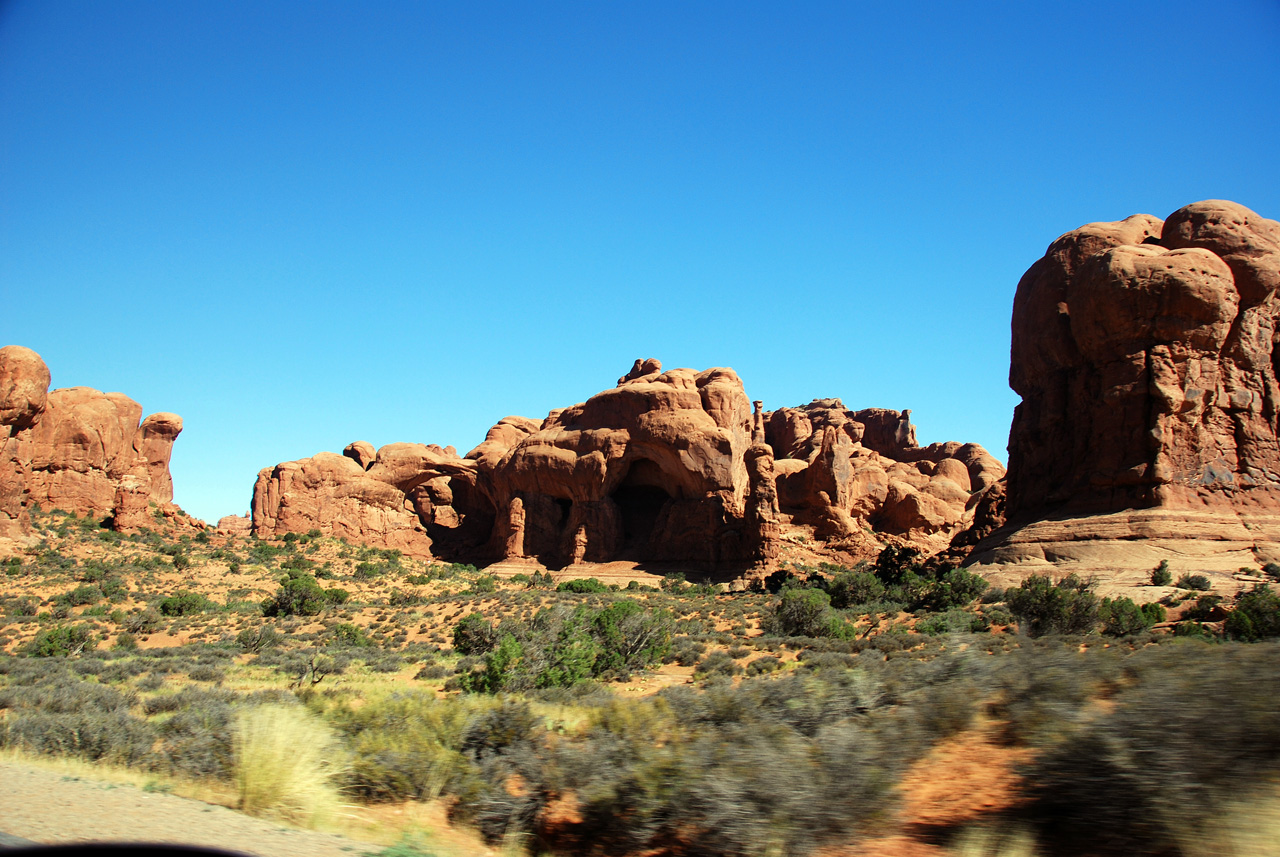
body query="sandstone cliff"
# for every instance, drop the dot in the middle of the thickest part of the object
(78, 449)
(1145, 355)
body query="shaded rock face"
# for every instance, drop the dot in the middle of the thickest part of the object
(1145, 353)
(666, 467)
(78, 449)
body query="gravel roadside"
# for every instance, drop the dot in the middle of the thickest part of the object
(48, 808)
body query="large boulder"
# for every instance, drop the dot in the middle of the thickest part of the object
(1144, 353)
(78, 449)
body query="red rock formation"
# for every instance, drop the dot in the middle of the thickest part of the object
(404, 499)
(837, 467)
(1144, 352)
(666, 467)
(655, 469)
(78, 449)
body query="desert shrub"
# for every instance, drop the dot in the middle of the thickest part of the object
(1121, 617)
(181, 561)
(563, 646)
(1160, 575)
(265, 553)
(82, 595)
(205, 672)
(854, 587)
(1195, 582)
(474, 635)
(800, 613)
(582, 586)
(21, 606)
(348, 634)
(1043, 607)
(400, 598)
(62, 641)
(58, 715)
(685, 651)
(1179, 747)
(184, 604)
(254, 640)
(780, 579)
(484, 584)
(631, 637)
(763, 666)
(500, 665)
(299, 563)
(368, 570)
(432, 671)
(299, 594)
(952, 622)
(717, 664)
(1192, 629)
(1256, 615)
(407, 746)
(1272, 570)
(196, 741)
(384, 662)
(286, 763)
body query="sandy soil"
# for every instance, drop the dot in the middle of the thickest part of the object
(47, 807)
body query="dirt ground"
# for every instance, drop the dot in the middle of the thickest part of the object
(49, 807)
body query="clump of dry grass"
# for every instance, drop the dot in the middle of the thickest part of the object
(985, 841)
(286, 761)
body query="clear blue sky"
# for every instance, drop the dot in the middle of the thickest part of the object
(301, 224)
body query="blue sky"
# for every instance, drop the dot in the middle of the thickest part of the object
(302, 224)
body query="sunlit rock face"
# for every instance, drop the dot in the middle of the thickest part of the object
(1145, 355)
(667, 467)
(78, 449)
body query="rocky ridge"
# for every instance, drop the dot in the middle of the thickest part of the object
(79, 449)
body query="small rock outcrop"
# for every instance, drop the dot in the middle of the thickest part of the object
(1145, 353)
(78, 449)
(667, 467)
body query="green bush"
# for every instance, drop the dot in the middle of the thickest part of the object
(1160, 575)
(300, 595)
(851, 588)
(1121, 617)
(955, 588)
(1256, 615)
(62, 641)
(474, 635)
(184, 604)
(82, 595)
(347, 634)
(1195, 582)
(582, 586)
(801, 613)
(1043, 607)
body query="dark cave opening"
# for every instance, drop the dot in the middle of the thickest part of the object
(640, 498)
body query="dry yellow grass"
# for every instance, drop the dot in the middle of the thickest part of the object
(285, 764)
